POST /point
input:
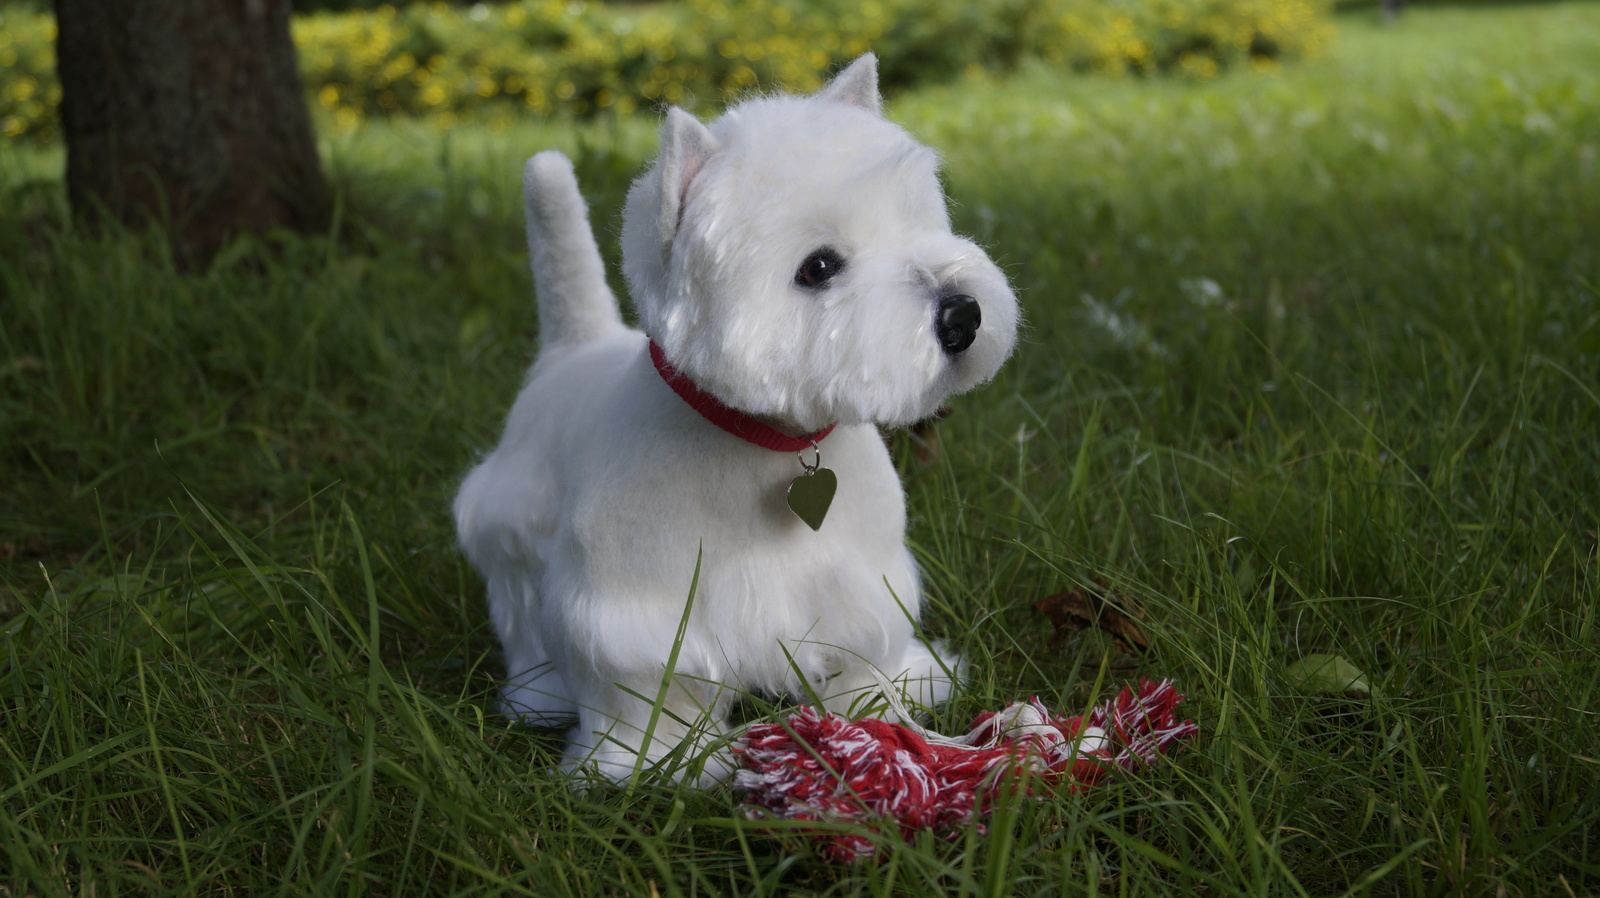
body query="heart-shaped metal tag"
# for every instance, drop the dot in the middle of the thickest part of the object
(811, 493)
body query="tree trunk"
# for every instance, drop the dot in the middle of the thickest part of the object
(188, 114)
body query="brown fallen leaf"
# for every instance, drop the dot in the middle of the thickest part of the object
(1079, 609)
(922, 435)
(30, 547)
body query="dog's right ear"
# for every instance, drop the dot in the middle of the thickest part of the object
(857, 85)
(686, 145)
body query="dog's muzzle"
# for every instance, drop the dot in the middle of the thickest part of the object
(956, 323)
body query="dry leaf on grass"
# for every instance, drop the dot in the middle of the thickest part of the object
(922, 436)
(1081, 609)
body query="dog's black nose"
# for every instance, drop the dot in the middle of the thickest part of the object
(956, 323)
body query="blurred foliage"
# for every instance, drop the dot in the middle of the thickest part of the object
(497, 63)
(29, 91)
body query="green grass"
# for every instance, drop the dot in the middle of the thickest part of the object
(1313, 366)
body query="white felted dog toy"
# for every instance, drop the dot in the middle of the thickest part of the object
(798, 284)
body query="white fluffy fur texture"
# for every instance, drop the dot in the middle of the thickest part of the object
(606, 490)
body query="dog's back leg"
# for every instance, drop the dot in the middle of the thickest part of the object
(575, 305)
(534, 693)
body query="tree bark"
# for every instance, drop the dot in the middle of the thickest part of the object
(187, 114)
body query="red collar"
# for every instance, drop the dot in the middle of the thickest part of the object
(732, 420)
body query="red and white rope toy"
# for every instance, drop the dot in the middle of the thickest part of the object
(827, 769)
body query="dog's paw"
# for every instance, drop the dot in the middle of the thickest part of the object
(616, 765)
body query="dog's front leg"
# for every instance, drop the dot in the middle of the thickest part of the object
(634, 724)
(921, 676)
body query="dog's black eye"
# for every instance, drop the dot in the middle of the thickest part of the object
(819, 268)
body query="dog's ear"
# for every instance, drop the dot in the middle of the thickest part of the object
(686, 144)
(857, 85)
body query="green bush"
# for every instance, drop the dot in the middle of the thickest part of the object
(1194, 37)
(554, 56)
(498, 63)
(29, 91)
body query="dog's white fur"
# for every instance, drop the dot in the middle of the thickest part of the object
(607, 492)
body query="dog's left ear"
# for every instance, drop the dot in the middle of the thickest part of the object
(686, 144)
(857, 85)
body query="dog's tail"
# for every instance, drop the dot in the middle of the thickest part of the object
(575, 305)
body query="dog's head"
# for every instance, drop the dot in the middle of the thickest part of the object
(795, 260)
